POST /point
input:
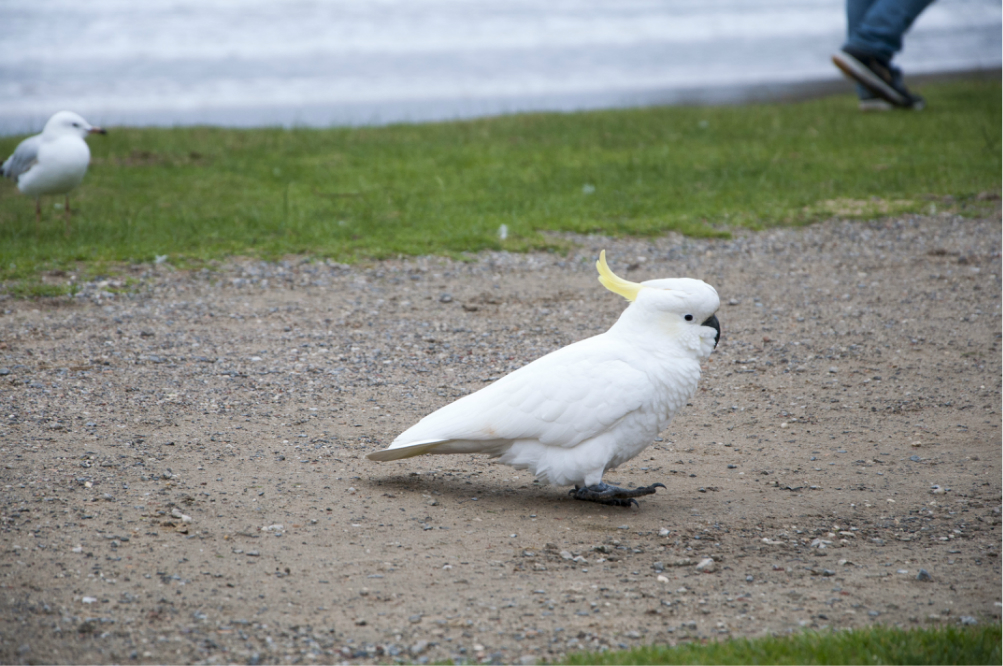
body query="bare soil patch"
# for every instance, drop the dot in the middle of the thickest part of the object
(184, 480)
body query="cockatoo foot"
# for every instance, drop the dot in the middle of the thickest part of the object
(612, 495)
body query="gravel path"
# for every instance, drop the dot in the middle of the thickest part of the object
(184, 476)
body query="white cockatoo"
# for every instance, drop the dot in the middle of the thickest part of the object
(586, 408)
(53, 162)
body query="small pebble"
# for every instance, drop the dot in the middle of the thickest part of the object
(706, 565)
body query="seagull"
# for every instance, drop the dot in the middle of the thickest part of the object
(53, 162)
(575, 413)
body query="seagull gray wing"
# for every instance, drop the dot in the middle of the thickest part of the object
(25, 156)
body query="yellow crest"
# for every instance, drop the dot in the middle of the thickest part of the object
(616, 284)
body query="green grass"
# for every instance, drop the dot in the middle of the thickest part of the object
(874, 645)
(202, 193)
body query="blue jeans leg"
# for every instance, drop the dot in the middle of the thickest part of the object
(856, 10)
(877, 26)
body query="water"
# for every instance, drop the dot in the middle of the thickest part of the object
(261, 62)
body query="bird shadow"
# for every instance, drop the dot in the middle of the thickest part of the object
(530, 497)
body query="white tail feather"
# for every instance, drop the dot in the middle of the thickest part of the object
(407, 451)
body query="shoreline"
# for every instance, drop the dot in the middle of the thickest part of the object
(449, 109)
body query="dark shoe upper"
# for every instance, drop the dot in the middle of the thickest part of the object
(879, 76)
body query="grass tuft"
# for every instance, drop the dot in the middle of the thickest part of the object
(201, 193)
(873, 645)
(30, 288)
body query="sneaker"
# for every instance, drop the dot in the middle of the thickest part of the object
(878, 76)
(873, 103)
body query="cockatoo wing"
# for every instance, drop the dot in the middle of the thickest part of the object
(561, 399)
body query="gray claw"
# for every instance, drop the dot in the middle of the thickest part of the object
(613, 495)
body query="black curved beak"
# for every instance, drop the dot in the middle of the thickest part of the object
(713, 323)
(98, 130)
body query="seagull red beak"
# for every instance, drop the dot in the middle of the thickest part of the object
(97, 130)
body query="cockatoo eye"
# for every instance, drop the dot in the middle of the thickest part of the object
(688, 317)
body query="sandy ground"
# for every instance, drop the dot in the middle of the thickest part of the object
(184, 476)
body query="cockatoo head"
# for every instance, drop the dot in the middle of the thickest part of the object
(68, 123)
(683, 308)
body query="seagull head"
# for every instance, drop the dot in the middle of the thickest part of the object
(67, 123)
(681, 308)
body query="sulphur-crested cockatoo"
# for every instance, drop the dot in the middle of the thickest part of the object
(53, 162)
(591, 406)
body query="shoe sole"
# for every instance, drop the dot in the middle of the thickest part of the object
(860, 73)
(871, 105)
